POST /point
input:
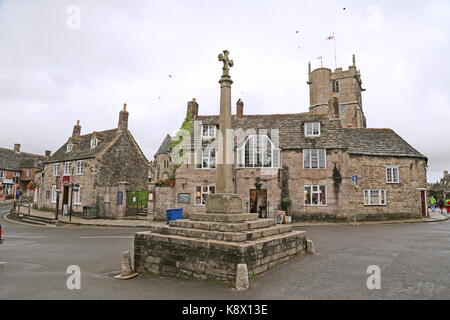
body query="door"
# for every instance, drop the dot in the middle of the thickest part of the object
(65, 195)
(423, 200)
(258, 202)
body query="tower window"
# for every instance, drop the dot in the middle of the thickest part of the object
(334, 86)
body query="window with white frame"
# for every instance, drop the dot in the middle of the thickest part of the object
(77, 196)
(201, 194)
(258, 151)
(27, 172)
(374, 197)
(56, 169)
(67, 167)
(80, 167)
(208, 131)
(94, 142)
(314, 159)
(312, 129)
(209, 159)
(392, 174)
(315, 195)
(69, 147)
(53, 194)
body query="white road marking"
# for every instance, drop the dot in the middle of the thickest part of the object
(108, 237)
(3, 262)
(26, 237)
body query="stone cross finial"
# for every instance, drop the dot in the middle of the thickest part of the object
(227, 63)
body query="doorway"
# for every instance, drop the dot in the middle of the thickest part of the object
(258, 202)
(65, 199)
(423, 200)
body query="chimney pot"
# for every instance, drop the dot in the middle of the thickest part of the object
(48, 153)
(17, 147)
(239, 109)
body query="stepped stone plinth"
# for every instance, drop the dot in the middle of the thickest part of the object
(211, 245)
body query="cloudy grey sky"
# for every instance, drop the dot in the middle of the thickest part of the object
(52, 73)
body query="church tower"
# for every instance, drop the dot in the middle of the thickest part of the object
(345, 85)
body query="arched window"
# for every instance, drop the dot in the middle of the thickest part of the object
(258, 151)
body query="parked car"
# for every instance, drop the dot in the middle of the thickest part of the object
(1, 232)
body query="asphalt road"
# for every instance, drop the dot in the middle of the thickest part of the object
(414, 260)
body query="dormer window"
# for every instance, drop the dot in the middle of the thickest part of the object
(69, 147)
(312, 129)
(208, 131)
(94, 142)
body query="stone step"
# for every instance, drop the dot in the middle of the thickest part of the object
(221, 217)
(38, 219)
(248, 235)
(223, 226)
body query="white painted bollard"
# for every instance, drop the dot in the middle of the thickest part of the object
(127, 268)
(242, 282)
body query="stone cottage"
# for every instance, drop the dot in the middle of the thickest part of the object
(325, 162)
(95, 169)
(18, 168)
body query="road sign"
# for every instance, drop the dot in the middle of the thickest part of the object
(354, 178)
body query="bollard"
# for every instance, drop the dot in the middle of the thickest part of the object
(242, 282)
(310, 247)
(127, 268)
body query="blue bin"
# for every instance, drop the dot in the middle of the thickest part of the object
(174, 214)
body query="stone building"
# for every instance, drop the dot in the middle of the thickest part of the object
(23, 165)
(104, 164)
(326, 161)
(441, 188)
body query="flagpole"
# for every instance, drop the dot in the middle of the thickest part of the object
(334, 41)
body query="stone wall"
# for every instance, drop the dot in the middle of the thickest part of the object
(343, 202)
(46, 180)
(403, 199)
(211, 260)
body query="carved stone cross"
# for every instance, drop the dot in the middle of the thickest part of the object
(227, 63)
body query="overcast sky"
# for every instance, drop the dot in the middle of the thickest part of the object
(53, 73)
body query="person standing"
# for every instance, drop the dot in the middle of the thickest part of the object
(441, 203)
(432, 202)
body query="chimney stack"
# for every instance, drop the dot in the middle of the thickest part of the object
(48, 153)
(445, 173)
(123, 118)
(16, 147)
(239, 109)
(76, 130)
(192, 109)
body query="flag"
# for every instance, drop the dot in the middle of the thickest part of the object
(330, 37)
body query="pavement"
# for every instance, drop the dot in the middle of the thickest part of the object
(413, 259)
(143, 222)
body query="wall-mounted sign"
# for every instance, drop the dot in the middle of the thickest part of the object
(184, 198)
(8, 181)
(354, 178)
(150, 196)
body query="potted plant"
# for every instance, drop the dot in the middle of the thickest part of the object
(286, 203)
